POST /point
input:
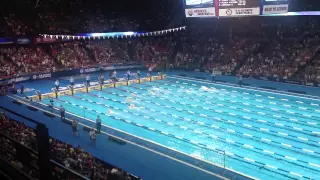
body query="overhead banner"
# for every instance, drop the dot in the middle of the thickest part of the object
(201, 12)
(200, 8)
(275, 7)
(23, 41)
(6, 41)
(231, 8)
(41, 39)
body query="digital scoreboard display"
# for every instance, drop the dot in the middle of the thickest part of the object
(239, 7)
(200, 8)
(275, 6)
(239, 3)
(234, 8)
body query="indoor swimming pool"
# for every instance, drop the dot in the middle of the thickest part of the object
(259, 133)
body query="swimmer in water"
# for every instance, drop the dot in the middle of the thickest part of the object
(204, 88)
(151, 92)
(110, 111)
(131, 106)
(129, 100)
(133, 94)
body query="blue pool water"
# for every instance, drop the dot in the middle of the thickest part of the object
(265, 135)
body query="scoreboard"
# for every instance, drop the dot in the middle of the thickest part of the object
(239, 7)
(234, 8)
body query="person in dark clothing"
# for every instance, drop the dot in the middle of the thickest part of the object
(128, 75)
(98, 123)
(22, 89)
(62, 113)
(240, 80)
(138, 74)
(101, 79)
(88, 80)
(14, 89)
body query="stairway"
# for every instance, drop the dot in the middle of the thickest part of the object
(131, 45)
(243, 61)
(47, 49)
(89, 51)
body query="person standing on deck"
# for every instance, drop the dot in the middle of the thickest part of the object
(72, 81)
(88, 80)
(22, 89)
(98, 123)
(240, 80)
(62, 113)
(213, 76)
(101, 79)
(128, 75)
(92, 135)
(74, 125)
(138, 73)
(56, 83)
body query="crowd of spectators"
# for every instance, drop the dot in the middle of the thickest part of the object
(74, 158)
(71, 54)
(17, 61)
(312, 71)
(281, 59)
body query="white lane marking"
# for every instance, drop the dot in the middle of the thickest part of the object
(305, 139)
(264, 139)
(307, 150)
(228, 140)
(312, 123)
(283, 133)
(271, 166)
(263, 129)
(246, 145)
(288, 145)
(251, 160)
(266, 151)
(316, 165)
(288, 157)
(295, 174)
(262, 121)
(300, 129)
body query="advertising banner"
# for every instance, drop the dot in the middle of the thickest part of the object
(42, 39)
(239, 12)
(275, 9)
(89, 70)
(41, 76)
(201, 12)
(6, 41)
(200, 8)
(275, 6)
(23, 41)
